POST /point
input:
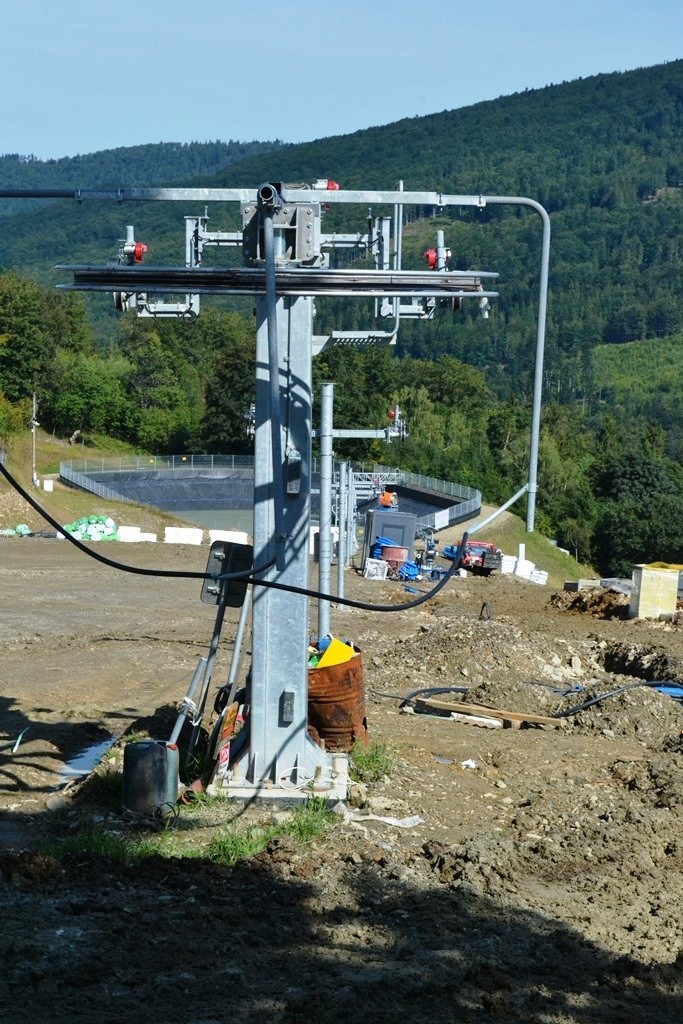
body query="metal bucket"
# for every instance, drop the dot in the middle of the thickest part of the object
(150, 778)
(336, 705)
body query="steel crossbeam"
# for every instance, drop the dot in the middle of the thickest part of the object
(294, 281)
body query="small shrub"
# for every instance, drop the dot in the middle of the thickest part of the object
(104, 789)
(370, 762)
(310, 820)
(232, 846)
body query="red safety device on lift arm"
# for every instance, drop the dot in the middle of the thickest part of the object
(138, 253)
(135, 251)
(327, 185)
(432, 257)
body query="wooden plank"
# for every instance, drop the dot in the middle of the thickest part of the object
(434, 704)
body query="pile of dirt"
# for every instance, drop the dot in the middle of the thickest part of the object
(599, 601)
(500, 664)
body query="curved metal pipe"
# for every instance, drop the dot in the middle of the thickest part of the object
(540, 345)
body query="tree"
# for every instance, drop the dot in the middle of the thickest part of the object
(575, 535)
(13, 418)
(164, 391)
(457, 385)
(635, 475)
(625, 536)
(27, 347)
(89, 395)
(508, 432)
(230, 390)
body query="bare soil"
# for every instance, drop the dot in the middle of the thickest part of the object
(543, 884)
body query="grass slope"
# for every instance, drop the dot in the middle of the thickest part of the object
(509, 532)
(64, 503)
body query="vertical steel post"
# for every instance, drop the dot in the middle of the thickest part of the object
(279, 748)
(34, 424)
(350, 515)
(239, 638)
(272, 246)
(440, 251)
(341, 524)
(325, 531)
(538, 371)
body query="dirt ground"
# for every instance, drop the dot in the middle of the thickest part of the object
(543, 883)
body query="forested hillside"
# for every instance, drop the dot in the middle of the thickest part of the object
(603, 155)
(154, 164)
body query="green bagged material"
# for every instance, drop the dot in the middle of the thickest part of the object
(93, 528)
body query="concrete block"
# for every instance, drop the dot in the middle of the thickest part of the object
(524, 567)
(129, 534)
(574, 585)
(183, 535)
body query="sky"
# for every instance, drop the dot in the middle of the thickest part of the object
(80, 76)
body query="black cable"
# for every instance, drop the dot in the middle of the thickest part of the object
(391, 696)
(349, 603)
(438, 325)
(248, 574)
(562, 691)
(431, 691)
(604, 696)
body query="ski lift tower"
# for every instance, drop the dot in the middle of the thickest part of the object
(286, 267)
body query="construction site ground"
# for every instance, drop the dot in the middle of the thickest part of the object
(542, 883)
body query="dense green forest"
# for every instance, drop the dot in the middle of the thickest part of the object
(161, 163)
(603, 155)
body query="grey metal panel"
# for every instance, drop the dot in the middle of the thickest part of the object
(280, 619)
(395, 526)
